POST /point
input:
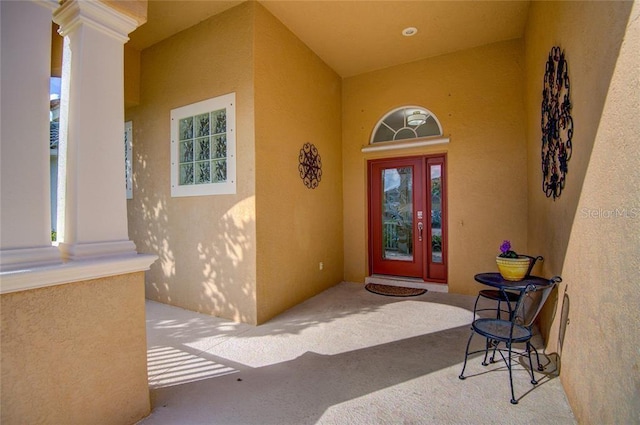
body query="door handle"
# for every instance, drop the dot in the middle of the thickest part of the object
(420, 227)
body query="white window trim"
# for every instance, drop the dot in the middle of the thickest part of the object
(226, 101)
(387, 146)
(128, 160)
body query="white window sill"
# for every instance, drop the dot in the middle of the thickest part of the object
(387, 146)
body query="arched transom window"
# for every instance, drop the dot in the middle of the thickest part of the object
(406, 123)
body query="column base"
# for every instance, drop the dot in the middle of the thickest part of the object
(87, 251)
(27, 258)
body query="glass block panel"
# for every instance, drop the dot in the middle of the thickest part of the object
(219, 171)
(202, 125)
(220, 147)
(203, 149)
(219, 120)
(186, 151)
(186, 174)
(203, 174)
(186, 128)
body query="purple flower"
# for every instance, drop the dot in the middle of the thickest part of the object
(506, 251)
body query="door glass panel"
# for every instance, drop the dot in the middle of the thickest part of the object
(397, 213)
(436, 213)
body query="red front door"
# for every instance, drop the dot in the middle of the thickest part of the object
(407, 217)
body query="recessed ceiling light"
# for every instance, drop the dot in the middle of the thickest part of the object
(408, 32)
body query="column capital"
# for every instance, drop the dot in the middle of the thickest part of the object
(96, 14)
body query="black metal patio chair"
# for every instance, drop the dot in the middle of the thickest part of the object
(508, 297)
(518, 329)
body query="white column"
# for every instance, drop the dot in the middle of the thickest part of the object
(25, 214)
(92, 212)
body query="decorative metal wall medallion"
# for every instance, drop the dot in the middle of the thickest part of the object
(557, 124)
(310, 166)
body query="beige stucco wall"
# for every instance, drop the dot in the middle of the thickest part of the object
(56, 51)
(477, 96)
(297, 101)
(206, 244)
(590, 34)
(590, 235)
(75, 353)
(249, 256)
(131, 76)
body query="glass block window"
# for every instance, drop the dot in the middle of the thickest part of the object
(406, 123)
(203, 148)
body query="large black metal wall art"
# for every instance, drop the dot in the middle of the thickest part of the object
(557, 124)
(310, 166)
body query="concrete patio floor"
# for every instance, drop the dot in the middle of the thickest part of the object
(346, 356)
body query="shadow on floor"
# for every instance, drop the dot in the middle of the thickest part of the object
(379, 360)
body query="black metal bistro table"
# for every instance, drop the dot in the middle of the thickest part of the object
(507, 290)
(497, 281)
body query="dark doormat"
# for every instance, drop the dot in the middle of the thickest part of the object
(393, 291)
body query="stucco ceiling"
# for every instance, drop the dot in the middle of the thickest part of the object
(358, 36)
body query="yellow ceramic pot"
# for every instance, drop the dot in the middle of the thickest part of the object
(513, 269)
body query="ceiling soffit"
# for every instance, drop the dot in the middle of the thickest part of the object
(359, 36)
